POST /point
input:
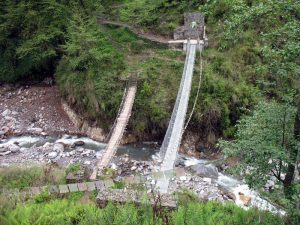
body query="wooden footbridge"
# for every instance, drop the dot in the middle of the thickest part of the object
(193, 38)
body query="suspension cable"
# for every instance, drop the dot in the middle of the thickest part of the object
(198, 89)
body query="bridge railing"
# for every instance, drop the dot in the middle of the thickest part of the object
(166, 140)
(132, 80)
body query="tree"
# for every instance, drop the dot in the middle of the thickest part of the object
(266, 144)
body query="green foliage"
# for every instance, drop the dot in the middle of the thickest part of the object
(19, 177)
(31, 33)
(214, 213)
(69, 212)
(88, 73)
(73, 168)
(264, 142)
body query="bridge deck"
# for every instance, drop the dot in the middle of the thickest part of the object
(171, 143)
(118, 130)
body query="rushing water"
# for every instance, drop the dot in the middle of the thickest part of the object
(137, 152)
(144, 152)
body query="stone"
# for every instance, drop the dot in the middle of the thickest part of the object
(113, 166)
(179, 171)
(47, 145)
(207, 180)
(99, 185)
(87, 163)
(35, 130)
(82, 187)
(133, 168)
(246, 200)
(63, 189)
(79, 143)
(52, 155)
(73, 187)
(35, 190)
(206, 170)
(58, 147)
(6, 112)
(108, 183)
(91, 186)
(86, 153)
(53, 189)
(231, 195)
(183, 178)
(14, 148)
(5, 153)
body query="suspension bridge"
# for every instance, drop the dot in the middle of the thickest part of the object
(193, 38)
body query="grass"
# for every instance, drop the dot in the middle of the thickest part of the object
(20, 178)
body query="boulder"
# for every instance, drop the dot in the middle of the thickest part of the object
(79, 143)
(231, 195)
(246, 200)
(6, 112)
(5, 153)
(206, 170)
(207, 180)
(14, 148)
(52, 155)
(58, 147)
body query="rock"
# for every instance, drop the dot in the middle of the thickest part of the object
(113, 166)
(5, 153)
(183, 178)
(47, 145)
(52, 155)
(58, 147)
(79, 143)
(207, 180)
(87, 163)
(44, 134)
(3, 149)
(133, 168)
(206, 170)
(246, 200)
(86, 153)
(14, 148)
(6, 112)
(231, 195)
(35, 130)
(80, 149)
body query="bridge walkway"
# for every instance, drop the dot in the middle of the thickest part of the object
(171, 143)
(118, 129)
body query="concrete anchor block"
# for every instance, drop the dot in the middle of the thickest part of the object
(91, 186)
(63, 189)
(73, 187)
(82, 186)
(53, 189)
(35, 190)
(99, 185)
